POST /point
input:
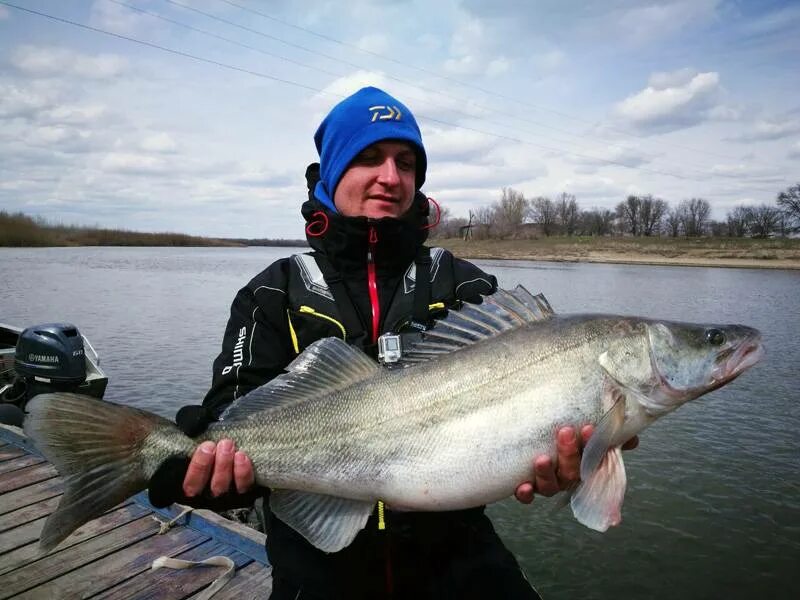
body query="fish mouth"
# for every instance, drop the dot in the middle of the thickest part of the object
(734, 364)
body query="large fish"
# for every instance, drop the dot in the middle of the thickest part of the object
(337, 432)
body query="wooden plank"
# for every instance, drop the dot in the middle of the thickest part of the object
(8, 452)
(24, 533)
(171, 584)
(99, 575)
(19, 536)
(253, 581)
(25, 460)
(40, 571)
(28, 476)
(26, 514)
(30, 495)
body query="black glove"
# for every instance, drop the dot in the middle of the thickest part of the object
(193, 419)
(166, 485)
(472, 283)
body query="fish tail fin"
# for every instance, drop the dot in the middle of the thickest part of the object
(97, 447)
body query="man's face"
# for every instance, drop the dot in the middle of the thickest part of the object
(379, 182)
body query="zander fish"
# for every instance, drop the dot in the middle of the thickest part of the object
(338, 432)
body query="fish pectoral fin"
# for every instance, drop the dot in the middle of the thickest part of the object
(608, 431)
(597, 503)
(329, 523)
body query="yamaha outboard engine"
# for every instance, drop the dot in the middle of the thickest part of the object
(49, 358)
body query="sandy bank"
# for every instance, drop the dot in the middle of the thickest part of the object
(746, 254)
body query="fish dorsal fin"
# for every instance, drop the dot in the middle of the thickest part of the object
(502, 311)
(327, 522)
(324, 367)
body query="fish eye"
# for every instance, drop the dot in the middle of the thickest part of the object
(715, 337)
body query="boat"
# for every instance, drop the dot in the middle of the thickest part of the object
(45, 358)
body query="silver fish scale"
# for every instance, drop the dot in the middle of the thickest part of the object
(441, 435)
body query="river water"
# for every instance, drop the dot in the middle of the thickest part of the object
(713, 502)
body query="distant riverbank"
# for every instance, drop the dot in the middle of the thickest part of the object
(18, 230)
(778, 253)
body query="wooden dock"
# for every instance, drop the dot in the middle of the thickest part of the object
(111, 557)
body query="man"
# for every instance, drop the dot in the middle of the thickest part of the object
(369, 274)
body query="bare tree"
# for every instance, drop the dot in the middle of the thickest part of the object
(763, 220)
(544, 213)
(596, 222)
(651, 214)
(789, 202)
(737, 221)
(674, 220)
(511, 211)
(567, 213)
(628, 213)
(484, 224)
(694, 216)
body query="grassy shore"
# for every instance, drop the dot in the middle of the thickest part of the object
(778, 253)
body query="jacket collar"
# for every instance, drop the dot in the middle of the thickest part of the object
(345, 241)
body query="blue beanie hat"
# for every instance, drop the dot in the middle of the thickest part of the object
(368, 116)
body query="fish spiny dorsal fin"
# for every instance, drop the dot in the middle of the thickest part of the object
(324, 367)
(502, 311)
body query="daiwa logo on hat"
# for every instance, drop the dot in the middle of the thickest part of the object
(392, 113)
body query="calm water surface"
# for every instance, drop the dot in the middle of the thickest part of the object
(713, 503)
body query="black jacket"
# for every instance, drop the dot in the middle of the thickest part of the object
(267, 328)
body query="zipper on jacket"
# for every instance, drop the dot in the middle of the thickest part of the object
(372, 283)
(374, 301)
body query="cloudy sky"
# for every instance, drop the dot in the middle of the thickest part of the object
(197, 116)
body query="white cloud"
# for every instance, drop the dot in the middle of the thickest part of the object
(22, 101)
(452, 145)
(787, 17)
(122, 20)
(135, 164)
(475, 175)
(158, 142)
(40, 61)
(620, 154)
(73, 114)
(62, 139)
(669, 79)
(794, 151)
(747, 172)
(672, 101)
(644, 23)
(474, 51)
(424, 102)
(498, 66)
(771, 129)
(375, 42)
(549, 60)
(604, 190)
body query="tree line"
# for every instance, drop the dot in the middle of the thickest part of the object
(515, 216)
(19, 229)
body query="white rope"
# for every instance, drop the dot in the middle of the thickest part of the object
(214, 561)
(165, 526)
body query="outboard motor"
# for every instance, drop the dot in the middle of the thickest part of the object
(49, 358)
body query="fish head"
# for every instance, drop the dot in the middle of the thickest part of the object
(663, 364)
(689, 360)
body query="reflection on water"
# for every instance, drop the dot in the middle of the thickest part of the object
(713, 507)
